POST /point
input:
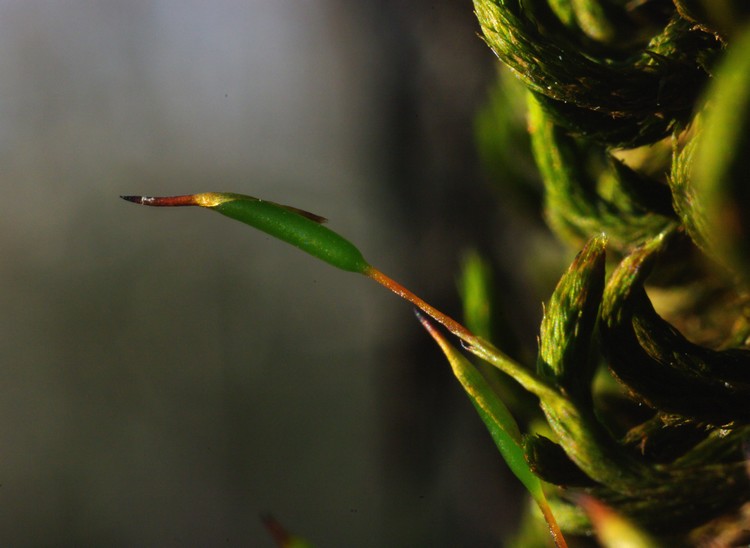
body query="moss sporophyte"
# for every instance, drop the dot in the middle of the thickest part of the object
(638, 121)
(307, 232)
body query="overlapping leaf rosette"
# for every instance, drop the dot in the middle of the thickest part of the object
(639, 124)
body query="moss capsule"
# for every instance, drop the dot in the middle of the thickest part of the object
(294, 226)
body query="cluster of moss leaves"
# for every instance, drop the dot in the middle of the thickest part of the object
(639, 124)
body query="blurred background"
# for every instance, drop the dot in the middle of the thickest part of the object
(168, 375)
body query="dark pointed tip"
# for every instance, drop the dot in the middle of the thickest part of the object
(163, 201)
(424, 320)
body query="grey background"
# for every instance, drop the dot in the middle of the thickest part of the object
(167, 375)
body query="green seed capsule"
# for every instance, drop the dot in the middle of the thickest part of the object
(299, 228)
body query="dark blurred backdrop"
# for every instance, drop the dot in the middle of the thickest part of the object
(168, 375)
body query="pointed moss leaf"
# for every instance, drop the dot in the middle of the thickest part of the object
(575, 208)
(722, 163)
(476, 293)
(657, 363)
(568, 324)
(566, 339)
(500, 423)
(612, 529)
(719, 445)
(495, 415)
(688, 205)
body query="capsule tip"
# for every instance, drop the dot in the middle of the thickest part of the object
(134, 199)
(165, 201)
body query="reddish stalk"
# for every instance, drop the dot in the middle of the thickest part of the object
(450, 324)
(554, 528)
